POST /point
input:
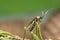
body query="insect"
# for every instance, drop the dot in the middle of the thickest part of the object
(38, 19)
(32, 24)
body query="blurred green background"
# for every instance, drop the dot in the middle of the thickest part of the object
(15, 9)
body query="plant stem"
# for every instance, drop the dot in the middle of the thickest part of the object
(34, 36)
(25, 31)
(38, 31)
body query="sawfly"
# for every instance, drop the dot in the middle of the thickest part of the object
(38, 19)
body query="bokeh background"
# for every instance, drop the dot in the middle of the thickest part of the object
(15, 14)
(10, 9)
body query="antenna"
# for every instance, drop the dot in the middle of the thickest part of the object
(45, 13)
